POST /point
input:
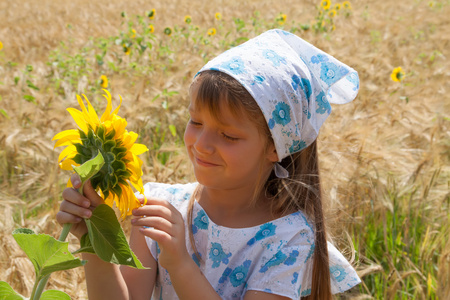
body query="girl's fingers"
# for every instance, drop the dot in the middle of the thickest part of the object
(76, 181)
(154, 222)
(63, 218)
(71, 195)
(74, 209)
(91, 194)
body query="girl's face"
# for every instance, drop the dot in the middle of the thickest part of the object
(229, 154)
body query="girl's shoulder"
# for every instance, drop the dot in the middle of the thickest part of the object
(173, 193)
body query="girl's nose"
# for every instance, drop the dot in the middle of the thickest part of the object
(205, 142)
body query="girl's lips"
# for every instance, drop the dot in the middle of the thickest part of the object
(204, 163)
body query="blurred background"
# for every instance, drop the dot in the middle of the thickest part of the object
(384, 157)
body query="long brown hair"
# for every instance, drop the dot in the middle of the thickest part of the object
(301, 191)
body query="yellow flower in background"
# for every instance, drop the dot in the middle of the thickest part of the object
(151, 29)
(151, 14)
(332, 13)
(1, 45)
(168, 31)
(133, 33)
(325, 4)
(104, 81)
(188, 19)
(337, 7)
(122, 168)
(218, 16)
(397, 74)
(281, 19)
(212, 31)
(126, 49)
(333, 28)
(346, 5)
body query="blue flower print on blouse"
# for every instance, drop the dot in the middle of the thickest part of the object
(271, 123)
(292, 258)
(353, 78)
(173, 190)
(274, 57)
(217, 255)
(258, 79)
(225, 275)
(277, 259)
(338, 272)
(311, 252)
(201, 221)
(234, 65)
(282, 114)
(297, 146)
(306, 292)
(294, 278)
(239, 274)
(195, 258)
(319, 58)
(265, 231)
(329, 73)
(324, 105)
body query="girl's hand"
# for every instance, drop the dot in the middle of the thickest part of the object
(75, 207)
(166, 228)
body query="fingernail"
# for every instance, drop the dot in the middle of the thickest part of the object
(88, 214)
(76, 183)
(86, 204)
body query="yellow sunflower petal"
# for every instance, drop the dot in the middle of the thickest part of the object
(117, 108)
(137, 149)
(91, 112)
(69, 151)
(67, 164)
(129, 138)
(68, 140)
(65, 133)
(105, 115)
(69, 184)
(78, 118)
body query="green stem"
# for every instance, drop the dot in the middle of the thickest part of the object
(39, 288)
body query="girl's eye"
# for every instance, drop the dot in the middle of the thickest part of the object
(194, 123)
(227, 137)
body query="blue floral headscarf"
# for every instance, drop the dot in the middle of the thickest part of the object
(293, 83)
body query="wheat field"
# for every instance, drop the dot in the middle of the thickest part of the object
(384, 157)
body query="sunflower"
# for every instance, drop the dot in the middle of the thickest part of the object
(126, 49)
(325, 4)
(397, 74)
(218, 16)
(133, 33)
(1, 45)
(332, 13)
(151, 29)
(337, 7)
(122, 168)
(104, 81)
(212, 31)
(168, 31)
(281, 19)
(187, 19)
(151, 14)
(346, 5)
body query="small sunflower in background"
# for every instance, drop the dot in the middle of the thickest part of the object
(168, 31)
(218, 16)
(332, 13)
(281, 19)
(187, 19)
(151, 28)
(337, 7)
(104, 81)
(346, 5)
(325, 4)
(1, 45)
(151, 14)
(212, 31)
(107, 135)
(126, 49)
(397, 74)
(133, 33)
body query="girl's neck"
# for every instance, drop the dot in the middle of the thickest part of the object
(233, 208)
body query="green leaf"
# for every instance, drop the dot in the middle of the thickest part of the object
(54, 295)
(29, 98)
(90, 168)
(45, 252)
(3, 112)
(85, 245)
(7, 292)
(31, 85)
(108, 239)
(173, 130)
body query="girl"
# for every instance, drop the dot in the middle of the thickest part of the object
(252, 227)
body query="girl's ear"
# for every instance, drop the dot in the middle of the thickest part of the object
(272, 155)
